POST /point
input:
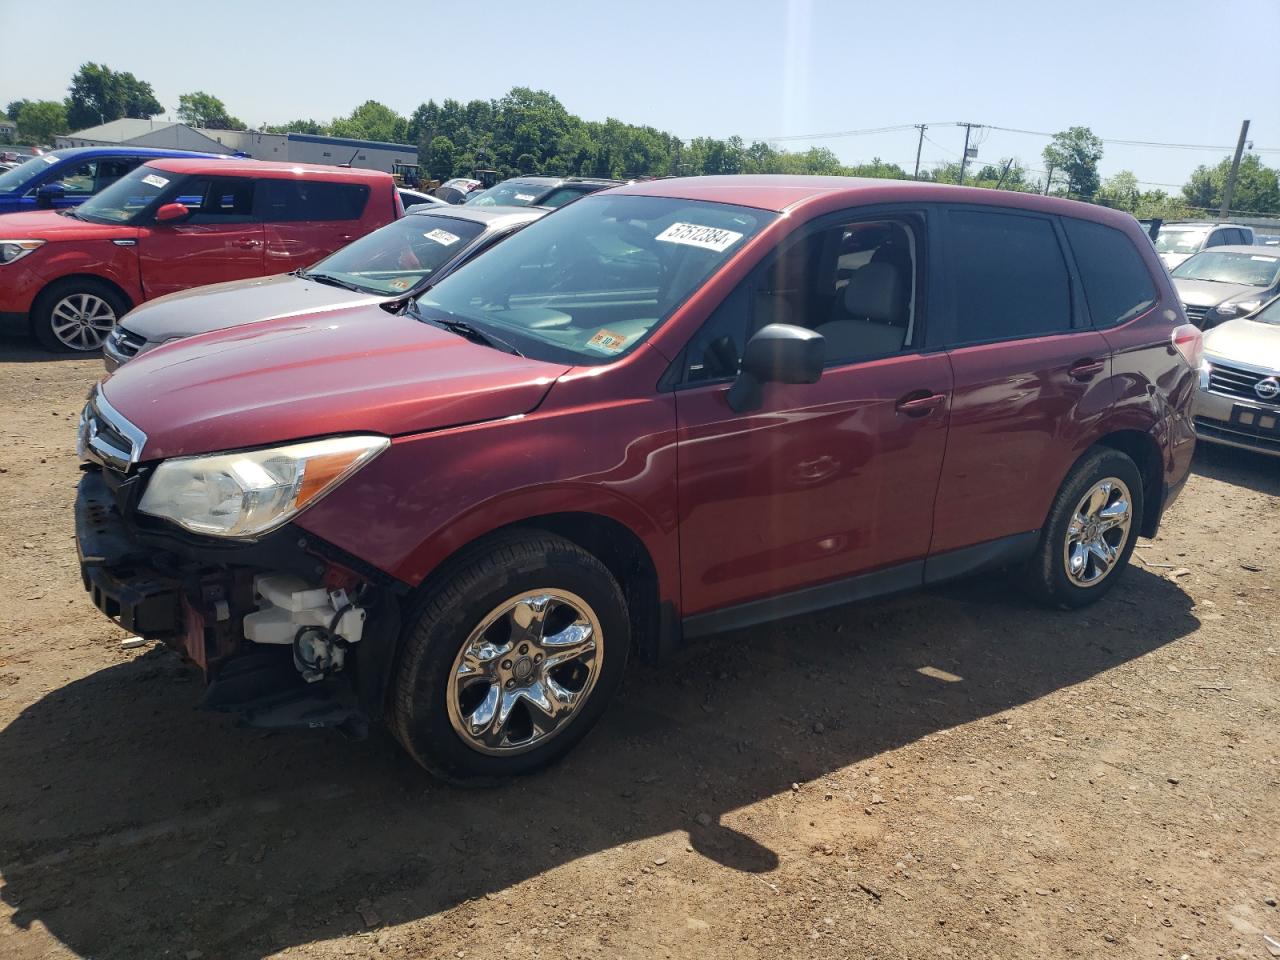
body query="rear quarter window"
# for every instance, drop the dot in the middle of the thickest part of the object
(285, 200)
(1117, 284)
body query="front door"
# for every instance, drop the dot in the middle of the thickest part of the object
(1031, 380)
(829, 480)
(221, 240)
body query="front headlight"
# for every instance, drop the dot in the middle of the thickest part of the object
(1237, 308)
(11, 250)
(248, 493)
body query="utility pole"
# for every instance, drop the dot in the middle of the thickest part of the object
(1005, 172)
(964, 157)
(1048, 180)
(1229, 194)
(919, 145)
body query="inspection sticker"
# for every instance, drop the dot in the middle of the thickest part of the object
(526, 197)
(442, 237)
(152, 180)
(693, 235)
(608, 341)
(400, 283)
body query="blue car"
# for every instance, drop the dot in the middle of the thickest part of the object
(65, 178)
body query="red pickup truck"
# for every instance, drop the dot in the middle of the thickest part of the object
(67, 276)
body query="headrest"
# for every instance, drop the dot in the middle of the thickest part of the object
(873, 292)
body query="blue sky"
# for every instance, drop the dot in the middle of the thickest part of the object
(1130, 69)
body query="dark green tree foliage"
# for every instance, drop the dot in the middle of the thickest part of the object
(200, 109)
(14, 107)
(1074, 155)
(39, 121)
(99, 94)
(1257, 186)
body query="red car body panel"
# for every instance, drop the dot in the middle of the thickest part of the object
(165, 258)
(823, 482)
(338, 371)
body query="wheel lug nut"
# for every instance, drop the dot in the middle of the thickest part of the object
(510, 684)
(524, 648)
(538, 658)
(506, 664)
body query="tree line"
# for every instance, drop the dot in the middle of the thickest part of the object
(530, 131)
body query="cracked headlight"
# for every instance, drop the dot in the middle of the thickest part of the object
(251, 492)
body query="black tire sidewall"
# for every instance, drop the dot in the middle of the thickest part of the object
(1049, 569)
(434, 636)
(42, 310)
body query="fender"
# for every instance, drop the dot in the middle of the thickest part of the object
(95, 258)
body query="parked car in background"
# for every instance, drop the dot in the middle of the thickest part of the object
(1226, 282)
(67, 276)
(674, 408)
(66, 178)
(1238, 403)
(416, 198)
(457, 190)
(1266, 239)
(1176, 242)
(389, 265)
(539, 191)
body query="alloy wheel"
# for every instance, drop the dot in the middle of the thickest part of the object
(525, 672)
(82, 321)
(1098, 532)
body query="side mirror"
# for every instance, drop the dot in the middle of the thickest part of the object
(173, 213)
(778, 353)
(49, 193)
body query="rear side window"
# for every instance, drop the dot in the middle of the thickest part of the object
(1010, 279)
(286, 200)
(1116, 283)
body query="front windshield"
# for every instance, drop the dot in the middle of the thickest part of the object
(400, 255)
(511, 193)
(127, 197)
(20, 175)
(1179, 241)
(1251, 269)
(587, 284)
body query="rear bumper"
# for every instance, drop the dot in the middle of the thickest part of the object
(1220, 419)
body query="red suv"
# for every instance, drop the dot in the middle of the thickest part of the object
(665, 410)
(69, 275)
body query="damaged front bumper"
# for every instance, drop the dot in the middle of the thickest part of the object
(326, 625)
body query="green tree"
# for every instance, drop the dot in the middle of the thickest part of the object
(99, 94)
(1073, 155)
(440, 158)
(372, 121)
(14, 107)
(200, 109)
(1120, 191)
(1257, 186)
(39, 121)
(313, 127)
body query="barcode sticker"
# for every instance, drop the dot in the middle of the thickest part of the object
(693, 235)
(442, 237)
(152, 180)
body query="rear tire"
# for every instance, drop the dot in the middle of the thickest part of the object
(75, 315)
(1090, 532)
(529, 630)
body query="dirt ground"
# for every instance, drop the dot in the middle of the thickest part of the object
(950, 774)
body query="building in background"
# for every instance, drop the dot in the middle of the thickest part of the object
(288, 147)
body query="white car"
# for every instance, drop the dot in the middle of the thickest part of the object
(1177, 241)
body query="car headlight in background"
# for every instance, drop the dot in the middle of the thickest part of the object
(11, 250)
(1237, 308)
(251, 492)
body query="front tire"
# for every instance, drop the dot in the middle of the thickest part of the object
(511, 659)
(76, 315)
(1090, 533)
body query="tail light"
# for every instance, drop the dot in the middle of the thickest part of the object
(1189, 342)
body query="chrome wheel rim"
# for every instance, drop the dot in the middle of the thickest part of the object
(82, 321)
(1098, 532)
(525, 672)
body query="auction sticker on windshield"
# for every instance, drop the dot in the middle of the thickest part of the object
(693, 235)
(442, 237)
(152, 180)
(526, 197)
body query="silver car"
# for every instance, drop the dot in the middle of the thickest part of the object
(1175, 242)
(1238, 402)
(395, 262)
(1226, 282)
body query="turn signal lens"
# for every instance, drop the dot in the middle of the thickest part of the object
(1189, 342)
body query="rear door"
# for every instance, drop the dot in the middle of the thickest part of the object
(305, 220)
(1031, 378)
(220, 241)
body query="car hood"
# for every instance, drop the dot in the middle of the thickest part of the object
(359, 370)
(222, 305)
(1207, 293)
(52, 225)
(1251, 342)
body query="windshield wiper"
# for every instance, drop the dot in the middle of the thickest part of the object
(462, 329)
(330, 280)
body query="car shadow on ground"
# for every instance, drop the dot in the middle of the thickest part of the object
(15, 348)
(132, 826)
(1243, 468)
